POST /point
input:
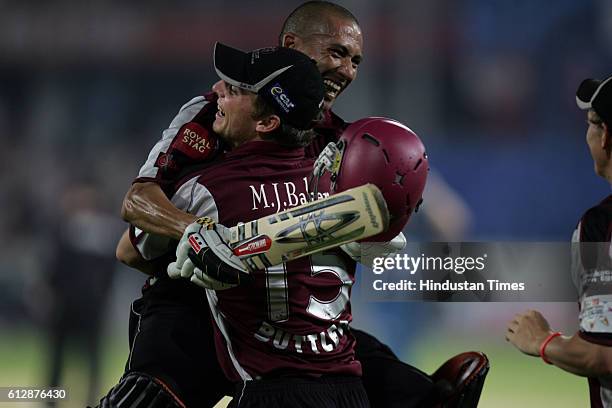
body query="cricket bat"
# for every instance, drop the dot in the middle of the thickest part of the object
(351, 215)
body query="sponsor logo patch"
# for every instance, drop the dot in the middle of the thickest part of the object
(254, 246)
(195, 141)
(281, 98)
(257, 53)
(196, 242)
(166, 162)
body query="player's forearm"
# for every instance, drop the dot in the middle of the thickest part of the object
(580, 357)
(147, 207)
(127, 254)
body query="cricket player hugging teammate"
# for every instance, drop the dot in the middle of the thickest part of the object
(377, 171)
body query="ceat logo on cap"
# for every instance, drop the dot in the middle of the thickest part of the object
(257, 245)
(282, 99)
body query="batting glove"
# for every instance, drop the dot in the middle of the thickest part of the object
(204, 257)
(367, 250)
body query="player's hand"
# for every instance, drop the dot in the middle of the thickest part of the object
(211, 254)
(183, 267)
(527, 331)
(364, 252)
(204, 257)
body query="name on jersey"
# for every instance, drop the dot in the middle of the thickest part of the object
(281, 195)
(322, 342)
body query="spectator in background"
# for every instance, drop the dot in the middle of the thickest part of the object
(79, 281)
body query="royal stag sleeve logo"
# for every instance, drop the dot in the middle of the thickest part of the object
(195, 141)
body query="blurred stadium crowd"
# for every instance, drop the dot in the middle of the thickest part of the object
(86, 88)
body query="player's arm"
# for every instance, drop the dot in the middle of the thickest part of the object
(147, 207)
(528, 331)
(128, 255)
(186, 142)
(579, 356)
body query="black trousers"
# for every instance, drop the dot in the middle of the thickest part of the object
(389, 382)
(171, 338)
(324, 392)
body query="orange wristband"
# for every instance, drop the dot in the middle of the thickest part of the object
(545, 343)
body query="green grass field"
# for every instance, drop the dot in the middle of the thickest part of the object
(514, 380)
(24, 361)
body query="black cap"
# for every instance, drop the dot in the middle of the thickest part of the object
(596, 94)
(287, 79)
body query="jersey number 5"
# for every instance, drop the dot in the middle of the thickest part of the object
(277, 285)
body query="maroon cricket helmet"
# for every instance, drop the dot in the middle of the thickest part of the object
(386, 153)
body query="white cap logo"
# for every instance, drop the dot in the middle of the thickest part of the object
(282, 99)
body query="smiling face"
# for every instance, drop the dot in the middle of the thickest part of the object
(336, 45)
(234, 120)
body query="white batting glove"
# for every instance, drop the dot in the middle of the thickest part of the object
(204, 257)
(369, 250)
(183, 267)
(204, 281)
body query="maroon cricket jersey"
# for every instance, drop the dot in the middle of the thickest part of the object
(293, 319)
(190, 144)
(187, 143)
(592, 274)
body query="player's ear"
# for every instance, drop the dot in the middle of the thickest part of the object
(268, 124)
(606, 138)
(289, 40)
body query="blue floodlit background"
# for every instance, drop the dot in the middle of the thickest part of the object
(87, 87)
